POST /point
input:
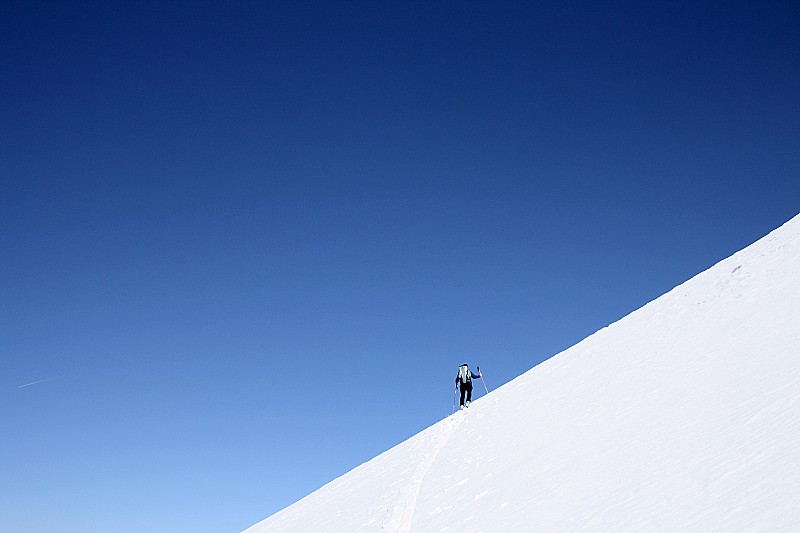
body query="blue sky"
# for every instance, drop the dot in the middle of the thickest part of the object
(246, 245)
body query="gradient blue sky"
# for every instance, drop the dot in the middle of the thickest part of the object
(246, 244)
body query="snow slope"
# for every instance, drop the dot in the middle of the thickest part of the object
(683, 416)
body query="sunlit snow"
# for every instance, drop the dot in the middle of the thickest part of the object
(683, 416)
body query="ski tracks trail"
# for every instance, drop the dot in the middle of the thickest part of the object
(402, 514)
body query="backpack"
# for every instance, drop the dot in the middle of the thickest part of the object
(464, 374)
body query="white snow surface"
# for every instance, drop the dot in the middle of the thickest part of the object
(682, 416)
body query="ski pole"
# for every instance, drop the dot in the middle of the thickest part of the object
(455, 391)
(482, 380)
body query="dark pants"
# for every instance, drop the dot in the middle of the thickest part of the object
(466, 389)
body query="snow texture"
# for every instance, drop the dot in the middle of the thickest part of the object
(683, 416)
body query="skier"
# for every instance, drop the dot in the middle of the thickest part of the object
(464, 382)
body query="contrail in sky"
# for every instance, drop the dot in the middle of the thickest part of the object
(34, 383)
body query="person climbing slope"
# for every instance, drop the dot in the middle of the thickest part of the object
(464, 382)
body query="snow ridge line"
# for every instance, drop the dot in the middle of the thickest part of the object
(403, 513)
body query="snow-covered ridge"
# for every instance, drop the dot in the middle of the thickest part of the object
(682, 416)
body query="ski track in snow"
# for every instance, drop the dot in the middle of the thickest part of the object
(403, 512)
